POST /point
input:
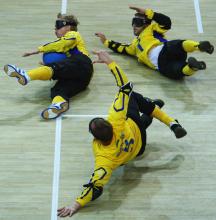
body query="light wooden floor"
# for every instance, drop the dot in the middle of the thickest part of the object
(176, 179)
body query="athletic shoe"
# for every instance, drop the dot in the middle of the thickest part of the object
(195, 64)
(54, 110)
(178, 130)
(20, 74)
(160, 103)
(205, 46)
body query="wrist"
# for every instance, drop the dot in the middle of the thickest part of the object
(106, 43)
(109, 62)
(112, 64)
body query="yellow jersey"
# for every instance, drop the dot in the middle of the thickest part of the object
(72, 42)
(125, 145)
(150, 37)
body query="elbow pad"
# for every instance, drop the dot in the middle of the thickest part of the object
(96, 190)
(127, 88)
(163, 20)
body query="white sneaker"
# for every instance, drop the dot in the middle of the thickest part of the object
(20, 74)
(54, 110)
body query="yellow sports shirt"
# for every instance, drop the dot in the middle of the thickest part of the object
(125, 144)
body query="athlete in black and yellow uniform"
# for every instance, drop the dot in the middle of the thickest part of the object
(121, 137)
(152, 48)
(73, 73)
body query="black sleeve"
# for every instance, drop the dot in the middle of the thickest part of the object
(162, 20)
(117, 47)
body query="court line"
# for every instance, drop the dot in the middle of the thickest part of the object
(64, 7)
(198, 16)
(57, 153)
(56, 170)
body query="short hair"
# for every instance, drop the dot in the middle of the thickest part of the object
(72, 19)
(101, 129)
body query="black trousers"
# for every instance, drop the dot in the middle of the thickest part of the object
(72, 74)
(139, 104)
(172, 59)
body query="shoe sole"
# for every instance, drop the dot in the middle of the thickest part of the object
(53, 113)
(160, 103)
(206, 47)
(180, 132)
(20, 78)
(195, 64)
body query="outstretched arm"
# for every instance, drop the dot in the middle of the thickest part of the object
(118, 109)
(120, 76)
(31, 53)
(92, 190)
(128, 49)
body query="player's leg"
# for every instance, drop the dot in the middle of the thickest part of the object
(62, 91)
(24, 77)
(172, 59)
(149, 109)
(78, 67)
(203, 46)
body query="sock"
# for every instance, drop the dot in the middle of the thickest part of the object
(58, 99)
(188, 71)
(162, 116)
(190, 46)
(41, 73)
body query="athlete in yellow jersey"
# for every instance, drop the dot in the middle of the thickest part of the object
(151, 47)
(73, 71)
(121, 137)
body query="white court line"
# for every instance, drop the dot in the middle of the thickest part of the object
(64, 7)
(198, 16)
(57, 160)
(57, 154)
(56, 170)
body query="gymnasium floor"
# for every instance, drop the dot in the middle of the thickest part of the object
(176, 178)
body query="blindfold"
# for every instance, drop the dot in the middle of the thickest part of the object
(61, 23)
(139, 22)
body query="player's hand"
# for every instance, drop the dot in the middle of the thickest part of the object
(68, 210)
(101, 36)
(30, 53)
(139, 10)
(103, 57)
(27, 54)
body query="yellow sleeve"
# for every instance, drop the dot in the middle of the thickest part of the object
(118, 110)
(120, 76)
(94, 188)
(117, 47)
(149, 13)
(156, 27)
(63, 44)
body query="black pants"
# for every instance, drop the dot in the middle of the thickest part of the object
(139, 104)
(72, 74)
(172, 59)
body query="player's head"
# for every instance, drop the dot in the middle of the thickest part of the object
(65, 23)
(139, 23)
(101, 129)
